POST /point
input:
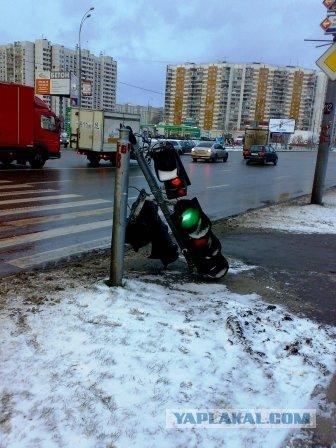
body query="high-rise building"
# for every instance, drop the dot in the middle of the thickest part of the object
(17, 63)
(148, 114)
(23, 62)
(228, 97)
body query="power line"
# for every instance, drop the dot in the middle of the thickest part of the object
(119, 82)
(141, 88)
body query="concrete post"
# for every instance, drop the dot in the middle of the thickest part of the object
(120, 209)
(324, 145)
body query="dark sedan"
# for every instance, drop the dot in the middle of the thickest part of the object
(262, 154)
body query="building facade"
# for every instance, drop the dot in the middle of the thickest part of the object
(23, 62)
(17, 63)
(228, 97)
(148, 114)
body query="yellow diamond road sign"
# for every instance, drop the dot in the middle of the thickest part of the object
(327, 62)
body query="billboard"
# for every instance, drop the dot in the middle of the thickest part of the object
(282, 125)
(55, 83)
(42, 86)
(86, 87)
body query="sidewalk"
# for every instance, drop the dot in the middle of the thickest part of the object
(90, 366)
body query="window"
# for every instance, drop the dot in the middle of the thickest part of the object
(48, 122)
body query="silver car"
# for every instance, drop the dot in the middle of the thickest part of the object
(209, 151)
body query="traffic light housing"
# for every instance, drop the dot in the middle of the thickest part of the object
(145, 226)
(203, 246)
(170, 170)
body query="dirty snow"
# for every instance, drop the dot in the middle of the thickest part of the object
(237, 266)
(305, 218)
(98, 367)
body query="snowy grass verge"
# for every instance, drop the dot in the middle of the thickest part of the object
(99, 367)
(304, 218)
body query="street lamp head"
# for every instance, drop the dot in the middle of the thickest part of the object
(89, 15)
(92, 8)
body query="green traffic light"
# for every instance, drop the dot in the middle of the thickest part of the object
(190, 218)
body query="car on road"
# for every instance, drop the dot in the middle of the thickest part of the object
(262, 154)
(187, 145)
(64, 139)
(209, 151)
(177, 145)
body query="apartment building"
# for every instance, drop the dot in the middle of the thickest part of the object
(228, 97)
(17, 63)
(148, 114)
(23, 62)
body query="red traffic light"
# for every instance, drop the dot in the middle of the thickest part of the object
(176, 182)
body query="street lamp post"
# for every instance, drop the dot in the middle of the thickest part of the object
(85, 16)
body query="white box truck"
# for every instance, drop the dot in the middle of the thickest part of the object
(95, 133)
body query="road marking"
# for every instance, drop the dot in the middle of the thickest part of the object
(20, 193)
(52, 218)
(17, 211)
(88, 168)
(5, 181)
(282, 177)
(7, 187)
(50, 181)
(218, 186)
(53, 233)
(62, 252)
(41, 198)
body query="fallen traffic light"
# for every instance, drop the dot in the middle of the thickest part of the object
(145, 226)
(170, 170)
(203, 246)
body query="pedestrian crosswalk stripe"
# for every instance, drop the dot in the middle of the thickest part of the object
(10, 186)
(50, 182)
(21, 193)
(41, 198)
(57, 206)
(57, 254)
(52, 218)
(53, 233)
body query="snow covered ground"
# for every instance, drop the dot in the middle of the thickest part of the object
(303, 218)
(98, 367)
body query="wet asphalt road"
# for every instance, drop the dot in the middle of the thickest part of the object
(223, 189)
(70, 203)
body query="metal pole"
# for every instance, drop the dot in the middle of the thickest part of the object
(80, 67)
(324, 145)
(120, 209)
(85, 16)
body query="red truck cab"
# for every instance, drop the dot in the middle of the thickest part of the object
(29, 130)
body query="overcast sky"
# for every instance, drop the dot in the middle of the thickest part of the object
(145, 35)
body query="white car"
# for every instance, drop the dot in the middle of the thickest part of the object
(209, 151)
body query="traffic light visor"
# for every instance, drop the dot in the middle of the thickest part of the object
(166, 175)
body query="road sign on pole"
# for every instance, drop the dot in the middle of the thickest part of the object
(329, 24)
(330, 4)
(327, 62)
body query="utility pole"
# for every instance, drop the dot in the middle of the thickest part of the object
(85, 17)
(324, 145)
(120, 209)
(327, 64)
